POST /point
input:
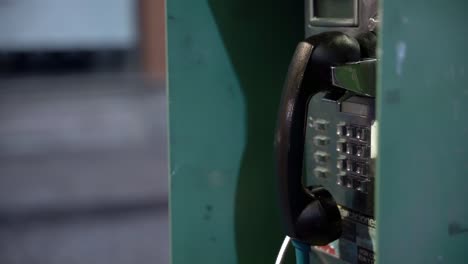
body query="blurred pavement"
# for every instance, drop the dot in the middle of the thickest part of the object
(83, 170)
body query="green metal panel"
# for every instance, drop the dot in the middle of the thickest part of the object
(227, 61)
(423, 151)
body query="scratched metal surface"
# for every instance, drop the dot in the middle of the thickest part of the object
(422, 179)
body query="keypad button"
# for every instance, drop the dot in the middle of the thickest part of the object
(350, 149)
(349, 183)
(362, 151)
(341, 146)
(361, 169)
(321, 125)
(350, 131)
(349, 165)
(321, 157)
(321, 173)
(361, 185)
(341, 129)
(342, 163)
(362, 134)
(342, 179)
(321, 141)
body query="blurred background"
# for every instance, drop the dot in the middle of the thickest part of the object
(83, 163)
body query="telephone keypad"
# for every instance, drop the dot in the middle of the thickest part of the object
(338, 152)
(354, 161)
(352, 132)
(352, 155)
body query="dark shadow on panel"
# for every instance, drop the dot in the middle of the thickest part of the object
(260, 38)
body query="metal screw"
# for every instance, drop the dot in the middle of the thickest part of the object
(374, 24)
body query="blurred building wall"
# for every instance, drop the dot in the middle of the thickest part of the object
(67, 24)
(153, 40)
(83, 153)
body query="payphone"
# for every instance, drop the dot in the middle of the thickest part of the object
(326, 135)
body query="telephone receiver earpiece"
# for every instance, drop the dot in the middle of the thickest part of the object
(368, 44)
(309, 216)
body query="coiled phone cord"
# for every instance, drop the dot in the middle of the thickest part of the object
(302, 251)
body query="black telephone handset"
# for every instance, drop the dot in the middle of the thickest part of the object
(309, 215)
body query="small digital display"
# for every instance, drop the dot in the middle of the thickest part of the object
(334, 8)
(355, 108)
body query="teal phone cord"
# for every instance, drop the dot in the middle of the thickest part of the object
(302, 252)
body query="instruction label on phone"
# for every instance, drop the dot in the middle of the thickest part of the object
(357, 243)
